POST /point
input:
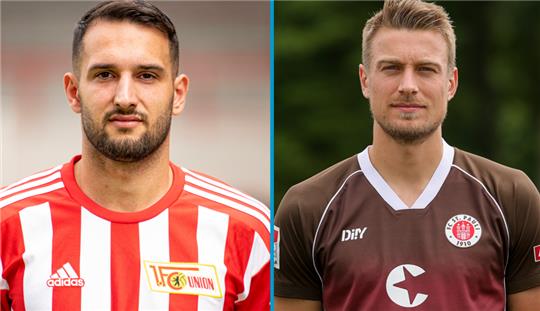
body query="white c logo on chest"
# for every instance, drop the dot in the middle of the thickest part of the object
(403, 288)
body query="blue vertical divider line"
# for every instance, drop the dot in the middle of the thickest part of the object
(271, 154)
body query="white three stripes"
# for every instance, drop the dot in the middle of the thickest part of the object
(35, 176)
(235, 205)
(65, 272)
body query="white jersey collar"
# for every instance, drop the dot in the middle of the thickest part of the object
(429, 193)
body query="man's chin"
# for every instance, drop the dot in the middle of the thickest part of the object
(123, 138)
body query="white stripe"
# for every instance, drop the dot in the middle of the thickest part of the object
(29, 185)
(55, 276)
(225, 186)
(208, 186)
(320, 222)
(95, 262)
(235, 205)
(258, 257)
(36, 225)
(3, 282)
(70, 271)
(62, 273)
(212, 228)
(154, 246)
(31, 193)
(38, 175)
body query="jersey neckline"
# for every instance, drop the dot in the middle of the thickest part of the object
(387, 193)
(76, 193)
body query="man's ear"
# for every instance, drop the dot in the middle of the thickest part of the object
(181, 86)
(364, 81)
(71, 88)
(453, 83)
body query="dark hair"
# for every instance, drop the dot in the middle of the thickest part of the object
(136, 11)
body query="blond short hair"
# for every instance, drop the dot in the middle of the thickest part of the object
(411, 15)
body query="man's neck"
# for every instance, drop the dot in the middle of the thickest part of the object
(407, 168)
(124, 187)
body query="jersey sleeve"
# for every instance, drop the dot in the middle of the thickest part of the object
(523, 270)
(295, 275)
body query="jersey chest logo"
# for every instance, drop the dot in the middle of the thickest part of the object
(65, 277)
(183, 278)
(463, 231)
(403, 286)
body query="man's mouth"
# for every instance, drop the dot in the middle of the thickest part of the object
(125, 121)
(407, 107)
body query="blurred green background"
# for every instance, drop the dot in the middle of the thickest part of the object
(321, 116)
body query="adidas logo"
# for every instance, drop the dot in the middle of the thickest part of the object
(65, 276)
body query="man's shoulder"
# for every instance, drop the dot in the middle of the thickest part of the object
(504, 183)
(329, 179)
(30, 191)
(316, 191)
(244, 211)
(487, 171)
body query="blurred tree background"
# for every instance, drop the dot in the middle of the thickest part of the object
(321, 116)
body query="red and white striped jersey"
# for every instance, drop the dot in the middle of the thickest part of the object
(203, 246)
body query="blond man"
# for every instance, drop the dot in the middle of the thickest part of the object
(410, 222)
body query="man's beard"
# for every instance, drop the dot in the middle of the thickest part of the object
(408, 135)
(127, 149)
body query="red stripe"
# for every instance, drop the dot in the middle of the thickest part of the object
(11, 250)
(4, 301)
(237, 249)
(183, 248)
(125, 266)
(66, 249)
(259, 294)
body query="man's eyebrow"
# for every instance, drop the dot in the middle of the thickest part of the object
(428, 63)
(384, 62)
(150, 67)
(398, 62)
(100, 66)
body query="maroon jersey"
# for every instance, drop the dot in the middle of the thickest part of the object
(469, 240)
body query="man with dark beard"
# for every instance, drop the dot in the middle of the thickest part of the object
(120, 227)
(410, 222)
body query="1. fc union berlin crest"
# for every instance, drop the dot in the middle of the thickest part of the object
(463, 231)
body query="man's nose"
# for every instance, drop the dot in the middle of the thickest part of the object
(125, 92)
(408, 84)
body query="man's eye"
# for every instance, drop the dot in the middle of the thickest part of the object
(390, 68)
(426, 69)
(147, 76)
(104, 75)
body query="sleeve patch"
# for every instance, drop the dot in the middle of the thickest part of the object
(276, 247)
